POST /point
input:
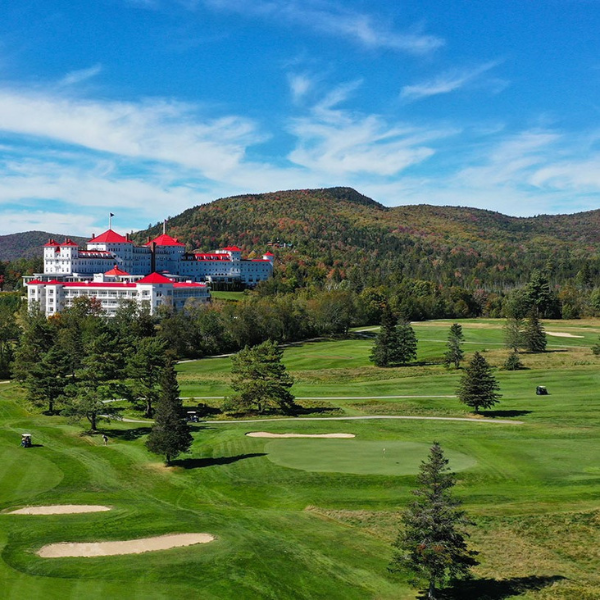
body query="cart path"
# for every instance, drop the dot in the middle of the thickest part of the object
(349, 418)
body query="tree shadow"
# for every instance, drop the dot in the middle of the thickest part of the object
(504, 413)
(311, 410)
(200, 463)
(127, 434)
(496, 589)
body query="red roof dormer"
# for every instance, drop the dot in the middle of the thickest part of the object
(110, 237)
(232, 249)
(165, 240)
(70, 242)
(154, 278)
(116, 272)
(51, 243)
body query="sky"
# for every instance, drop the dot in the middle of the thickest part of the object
(145, 108)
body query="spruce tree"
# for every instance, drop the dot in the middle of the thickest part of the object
(385, 349)
(170, 435)
(534, 335)
(455, 353)
(478, 387)
(407, 343)
(431, 544)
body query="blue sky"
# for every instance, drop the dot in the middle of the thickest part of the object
(145, 108)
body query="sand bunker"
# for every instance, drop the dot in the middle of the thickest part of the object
(152, 544)
(560, 334)
(264, 434)
(60, 509)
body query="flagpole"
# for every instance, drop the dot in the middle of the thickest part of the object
(110, 216)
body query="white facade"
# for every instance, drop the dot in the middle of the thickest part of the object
(163, 254)
(152, 291)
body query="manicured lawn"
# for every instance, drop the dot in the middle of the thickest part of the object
(314, 518)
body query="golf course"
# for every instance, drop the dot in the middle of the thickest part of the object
(271, 517)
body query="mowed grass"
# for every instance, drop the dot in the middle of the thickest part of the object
(314, 518)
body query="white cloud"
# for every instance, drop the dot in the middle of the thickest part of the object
(154, 129)
(300, 85)
(77, 77)
(445, 82)
(333, 19)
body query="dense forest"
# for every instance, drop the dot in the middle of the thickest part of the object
(338, 234)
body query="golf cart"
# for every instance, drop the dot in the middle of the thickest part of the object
(26, 440)
(541, 390)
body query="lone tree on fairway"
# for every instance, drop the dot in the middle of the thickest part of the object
(261, 380)
(455, 353)
(534, 334)
(386, 350)
(170, 435)
(513, 333)
(432, 542)
(478, 387)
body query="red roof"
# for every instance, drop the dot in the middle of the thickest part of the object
(192, 284)
(110, 237)
(36, 282)
(165, 240)
(70, 242)
(51, 242)
(155, 278)
(232, 249)
(269, 254)
(116, 272)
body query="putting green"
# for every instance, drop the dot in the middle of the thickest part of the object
(359, 457)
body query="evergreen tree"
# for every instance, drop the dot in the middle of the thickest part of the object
(261, 380)
(170, 435)
(455, 353)
(47, 380)
(513, 362)
(407, 343)
(432, 543)
(534, 335)
(513, 333)
(9, 334)
(98, 379)
(478, 387)
(386, 350)
(145, 367)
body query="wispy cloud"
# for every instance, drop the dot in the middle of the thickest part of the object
(300, 85)
(79, 76)
(328, 18)
(445, 83)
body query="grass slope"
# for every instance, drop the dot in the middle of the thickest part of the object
(288, 522)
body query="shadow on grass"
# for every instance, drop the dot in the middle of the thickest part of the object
(126, 434)
(504, 413)
(496, 589)
(200, 463)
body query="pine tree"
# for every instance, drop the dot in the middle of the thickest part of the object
(407, 344)
(170, 435)
(432, 543)
(513, 362)
(478, 387)
(261, 380)
(455, 353)
(385, 349)
(534, 335)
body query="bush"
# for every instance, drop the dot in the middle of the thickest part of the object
(513, 362)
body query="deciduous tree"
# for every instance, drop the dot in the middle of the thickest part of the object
(454, 354)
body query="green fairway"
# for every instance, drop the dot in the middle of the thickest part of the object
(385, 457)
(315, 518)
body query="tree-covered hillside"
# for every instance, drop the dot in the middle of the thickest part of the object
(338, 233)
(29, 244)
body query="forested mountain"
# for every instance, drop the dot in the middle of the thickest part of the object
(29, 244)
(338, 234)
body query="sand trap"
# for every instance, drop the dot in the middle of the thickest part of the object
(60, 509)
(560, 334)
(264, 434)
(152, 544)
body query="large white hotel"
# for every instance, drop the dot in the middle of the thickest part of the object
(113, 269)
